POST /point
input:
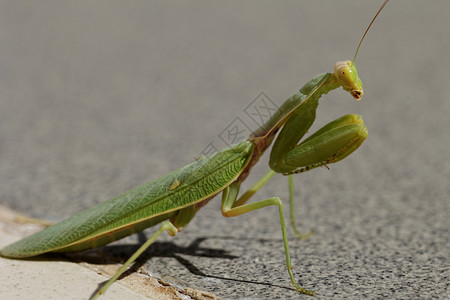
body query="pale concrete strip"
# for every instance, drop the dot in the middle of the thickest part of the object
(57, 279)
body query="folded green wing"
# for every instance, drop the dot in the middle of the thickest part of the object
(138, 208)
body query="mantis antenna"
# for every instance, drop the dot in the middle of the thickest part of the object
(364, 35)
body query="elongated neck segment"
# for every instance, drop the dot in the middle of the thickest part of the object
(309, 94)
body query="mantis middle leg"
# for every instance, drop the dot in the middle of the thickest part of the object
(331, 143)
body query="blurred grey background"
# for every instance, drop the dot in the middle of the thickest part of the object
(100, 96)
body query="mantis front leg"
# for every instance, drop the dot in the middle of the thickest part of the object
(330, 144)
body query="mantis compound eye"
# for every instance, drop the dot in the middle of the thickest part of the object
(347, 75)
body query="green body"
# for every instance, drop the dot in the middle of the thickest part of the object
(139, 208)
(177, 196)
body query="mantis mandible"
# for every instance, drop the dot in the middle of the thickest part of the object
(174, 199)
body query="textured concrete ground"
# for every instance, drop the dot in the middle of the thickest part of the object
(99, 97)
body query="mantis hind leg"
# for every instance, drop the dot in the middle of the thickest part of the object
(229, 209)
(165, 226)
(175, 225)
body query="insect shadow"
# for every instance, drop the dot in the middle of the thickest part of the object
(118, 253)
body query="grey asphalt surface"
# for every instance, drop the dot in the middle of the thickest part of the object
(99, 97)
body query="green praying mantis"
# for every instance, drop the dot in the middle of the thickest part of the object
(174, 199)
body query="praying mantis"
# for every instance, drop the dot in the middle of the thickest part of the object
(174, 199)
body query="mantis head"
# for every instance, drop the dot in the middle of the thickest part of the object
(347, 75)
(345, 71)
